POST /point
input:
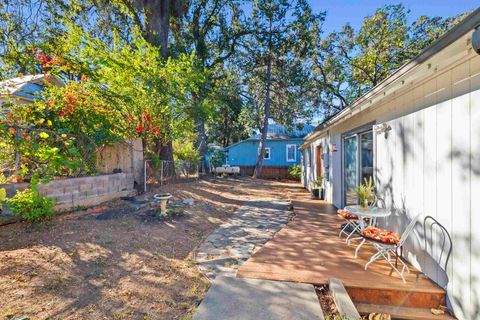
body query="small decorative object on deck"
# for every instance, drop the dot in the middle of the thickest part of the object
(317, 188)
(364, 192)
(163, 198)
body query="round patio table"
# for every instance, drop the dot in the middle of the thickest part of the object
(370, 212)
(364, 213)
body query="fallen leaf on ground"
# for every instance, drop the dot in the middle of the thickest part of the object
(437, 312)
(379, 316)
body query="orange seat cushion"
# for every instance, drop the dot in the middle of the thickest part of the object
(381, 235)
(346, 215)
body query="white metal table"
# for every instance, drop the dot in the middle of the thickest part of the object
(371, 213)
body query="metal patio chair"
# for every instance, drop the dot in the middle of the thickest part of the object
(438, 245)
(351, 222)
(389, 245)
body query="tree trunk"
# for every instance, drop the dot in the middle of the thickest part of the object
(165, 153)
(157, 14)
(261, 146)
(201, 143)
(157, 19)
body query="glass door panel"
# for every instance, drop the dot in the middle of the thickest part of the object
(350, 169)
(366, 156)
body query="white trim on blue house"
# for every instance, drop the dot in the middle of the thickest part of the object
(269, 154)
(294, 152)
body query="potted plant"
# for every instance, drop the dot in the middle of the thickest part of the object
(365, 193)
(317, 188)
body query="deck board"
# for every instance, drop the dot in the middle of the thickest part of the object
(309, 250)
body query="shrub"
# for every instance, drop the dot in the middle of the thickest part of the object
(3, 196)
(3, 179)
(295, 171)
(318, 184)
(217, 158)
(30, 205)
(184, 150)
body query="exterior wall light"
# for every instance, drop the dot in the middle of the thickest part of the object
(382, 128)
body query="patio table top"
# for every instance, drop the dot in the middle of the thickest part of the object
(369, 212)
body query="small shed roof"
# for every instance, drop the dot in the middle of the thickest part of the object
(26, 87)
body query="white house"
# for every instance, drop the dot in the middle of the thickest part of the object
(417, 134)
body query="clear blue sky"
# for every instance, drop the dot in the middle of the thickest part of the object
(341, 11)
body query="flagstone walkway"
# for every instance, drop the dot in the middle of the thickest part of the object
(233, 242)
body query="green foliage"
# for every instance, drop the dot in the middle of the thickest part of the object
(217, 158)
(120, 84)
(295, 171)
(364, 191)
(284, 39)
(348, 63)
(318, 184)
(229, 122)
(184, 150)
(59, 134)
(3, 196)
(120, 90)
(213, 30)
(148, 96)
(30, 205)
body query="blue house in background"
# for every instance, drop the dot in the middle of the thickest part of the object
(281, 150)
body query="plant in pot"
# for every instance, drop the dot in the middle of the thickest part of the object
(365, 193)
(317, 189)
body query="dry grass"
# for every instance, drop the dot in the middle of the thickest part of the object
(79, 267)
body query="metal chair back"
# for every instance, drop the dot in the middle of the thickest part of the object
(408, 230)
(446, 242)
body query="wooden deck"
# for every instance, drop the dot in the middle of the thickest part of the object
(309, 250)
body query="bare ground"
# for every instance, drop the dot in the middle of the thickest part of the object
(123, 267)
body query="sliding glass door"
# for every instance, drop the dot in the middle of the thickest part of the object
(350, 169)
(357, 163)
(366, 156)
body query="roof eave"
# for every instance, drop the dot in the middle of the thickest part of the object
(470, 22)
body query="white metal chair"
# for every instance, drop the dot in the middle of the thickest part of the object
(386, 250)
(351, 222)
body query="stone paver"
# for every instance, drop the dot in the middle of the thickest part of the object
(252, 299)
(233, 242)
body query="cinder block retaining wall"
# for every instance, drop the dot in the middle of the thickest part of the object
(83, 191)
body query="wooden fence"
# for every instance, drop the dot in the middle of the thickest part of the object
(267, 172)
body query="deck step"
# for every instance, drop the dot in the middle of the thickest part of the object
(405, 298)
(344, 304)
(403, 313)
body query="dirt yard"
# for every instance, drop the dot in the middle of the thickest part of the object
(114, 263)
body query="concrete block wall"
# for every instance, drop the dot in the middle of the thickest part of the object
(87, 191)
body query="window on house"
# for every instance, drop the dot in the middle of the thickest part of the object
(291, 152)
(266, 155)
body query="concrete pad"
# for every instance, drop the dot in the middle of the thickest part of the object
(245, 299)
